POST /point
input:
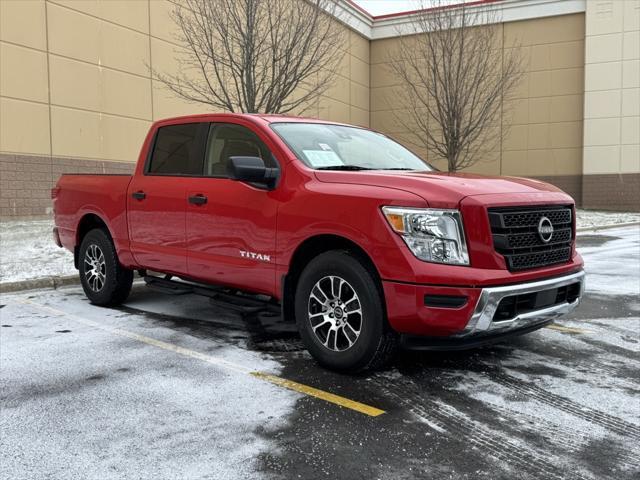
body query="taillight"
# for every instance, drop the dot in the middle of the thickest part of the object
(54, 192)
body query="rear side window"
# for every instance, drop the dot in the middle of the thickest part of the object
(179, 150)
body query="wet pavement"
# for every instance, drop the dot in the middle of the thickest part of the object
(162, 388)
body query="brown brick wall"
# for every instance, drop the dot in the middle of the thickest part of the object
(26, 181)
(571, 184)
(612, 192)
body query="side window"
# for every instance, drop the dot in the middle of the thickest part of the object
(228, 140)
(179, 150)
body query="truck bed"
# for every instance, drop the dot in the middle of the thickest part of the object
(102, 194)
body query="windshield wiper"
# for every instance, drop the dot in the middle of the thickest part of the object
(353, 168)
(398, 168)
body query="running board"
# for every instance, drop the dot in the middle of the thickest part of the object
(242, 303)
(166, 286)
(218, 296)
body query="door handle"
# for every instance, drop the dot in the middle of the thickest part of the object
(139, 195)
(198, 199)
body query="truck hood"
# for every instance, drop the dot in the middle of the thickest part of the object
(439, 189)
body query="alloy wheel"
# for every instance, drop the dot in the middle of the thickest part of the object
(95, 268)
(335, 313)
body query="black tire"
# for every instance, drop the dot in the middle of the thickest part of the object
(116, 280)
(376, 343)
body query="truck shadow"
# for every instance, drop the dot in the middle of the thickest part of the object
(267, 332)
(194, 315)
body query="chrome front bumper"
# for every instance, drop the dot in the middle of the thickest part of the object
(482, 319)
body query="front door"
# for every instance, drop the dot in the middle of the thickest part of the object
(231, 226)
(157, 198)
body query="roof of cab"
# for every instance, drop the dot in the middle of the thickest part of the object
(260, 117)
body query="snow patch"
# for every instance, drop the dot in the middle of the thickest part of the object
(592, 218)
(27, 252)
(608, 271)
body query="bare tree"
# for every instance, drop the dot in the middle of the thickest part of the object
(255, 56)
(457, 80)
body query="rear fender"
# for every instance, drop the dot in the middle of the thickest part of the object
(116, 227)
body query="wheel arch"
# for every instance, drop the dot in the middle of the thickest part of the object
(311, 248)
(88, 222)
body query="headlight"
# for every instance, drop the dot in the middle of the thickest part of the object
(431, 235)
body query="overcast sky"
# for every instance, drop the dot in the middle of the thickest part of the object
(382, 7)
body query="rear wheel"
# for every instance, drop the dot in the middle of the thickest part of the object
(340, 314)
(104, 281)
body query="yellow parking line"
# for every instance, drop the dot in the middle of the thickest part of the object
(560, 328)
(321, 394)
(282, 382)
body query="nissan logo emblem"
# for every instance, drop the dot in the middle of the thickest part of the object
(545, 229)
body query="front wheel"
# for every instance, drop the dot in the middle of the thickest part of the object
(104, 281)
(340, 314)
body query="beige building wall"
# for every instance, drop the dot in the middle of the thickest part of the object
(76, 94)
(545, 135)
(386, 97)
(545, 138)
(81, 70)
(612, 104)
(348, 99)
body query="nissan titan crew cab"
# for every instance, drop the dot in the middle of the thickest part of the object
(352, 236)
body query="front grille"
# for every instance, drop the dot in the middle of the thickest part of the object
(516, 237)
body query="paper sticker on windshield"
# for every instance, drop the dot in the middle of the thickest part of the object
(322, 158)
(325, 147)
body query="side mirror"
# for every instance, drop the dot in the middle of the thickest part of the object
(252, 170)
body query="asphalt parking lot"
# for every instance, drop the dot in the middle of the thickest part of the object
(173, 387)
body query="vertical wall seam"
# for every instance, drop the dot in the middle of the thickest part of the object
(580, 199)
(46, 39)
(621, 88)
(150, 58)
(370, 89)
(502, 137)
(350, 52)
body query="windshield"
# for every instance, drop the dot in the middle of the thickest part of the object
(336, 147)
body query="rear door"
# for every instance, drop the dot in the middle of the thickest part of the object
(231, 226)
(157, 199)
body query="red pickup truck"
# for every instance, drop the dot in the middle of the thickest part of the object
(358, 240)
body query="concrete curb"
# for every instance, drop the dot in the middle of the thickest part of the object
(606, 227)
(39, 283)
